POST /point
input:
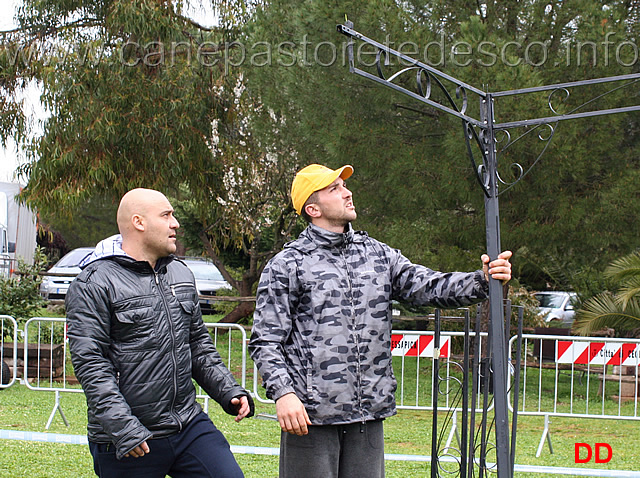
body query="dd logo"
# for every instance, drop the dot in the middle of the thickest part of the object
(589, 453)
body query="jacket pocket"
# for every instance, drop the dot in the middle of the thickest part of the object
(186, 295)
(134, 327)
(187, 306)
(311, 387)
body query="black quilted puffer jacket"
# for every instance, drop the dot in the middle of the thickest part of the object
(137, 339)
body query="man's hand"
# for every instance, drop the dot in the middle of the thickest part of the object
(141, 450)
(242, 405)
(291, 414)
(499, 269)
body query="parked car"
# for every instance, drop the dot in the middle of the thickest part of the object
(209, 282)
(557, 306)
(55, 287)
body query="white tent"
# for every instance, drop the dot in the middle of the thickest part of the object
(21, 228)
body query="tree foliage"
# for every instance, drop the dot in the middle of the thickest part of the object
(414, 185)
(141, 95)
(220, 118)
(20, 293)
(618, 308)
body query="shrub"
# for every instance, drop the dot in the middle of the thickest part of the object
(20, 293)
(521, 297)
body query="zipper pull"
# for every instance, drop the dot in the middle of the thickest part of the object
(173, 290)
(155, 274)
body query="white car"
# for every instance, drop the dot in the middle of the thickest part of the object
(557, 306)
(209, 282)
(54, 287)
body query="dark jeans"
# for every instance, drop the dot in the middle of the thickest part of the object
(334, 451)
(199, 450)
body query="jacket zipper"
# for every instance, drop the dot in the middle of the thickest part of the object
(173, 349)
(355, 332)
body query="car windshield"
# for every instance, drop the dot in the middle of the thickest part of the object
(553, 301)
(205, 271)
(73, 258)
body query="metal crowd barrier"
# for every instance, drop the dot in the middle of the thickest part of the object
(562, 376)
(413, 352)
(413, 356)
(230, 340)
(580, 377)
(8, 350)
(46, 357)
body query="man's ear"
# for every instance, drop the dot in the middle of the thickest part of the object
(312, 210)
(138, 222)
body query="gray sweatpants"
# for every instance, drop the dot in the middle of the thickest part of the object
(334, 451)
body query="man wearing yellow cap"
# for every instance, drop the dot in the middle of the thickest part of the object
(322, 330)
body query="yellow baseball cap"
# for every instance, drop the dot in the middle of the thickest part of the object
(314, 178)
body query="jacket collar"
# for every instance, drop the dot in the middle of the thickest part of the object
(143, 266)
(314, 237)
(111, 248)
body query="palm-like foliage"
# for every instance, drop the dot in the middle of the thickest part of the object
(619, 310)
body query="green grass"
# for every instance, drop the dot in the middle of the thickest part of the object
(409, 432)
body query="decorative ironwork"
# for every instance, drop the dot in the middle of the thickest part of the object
(483, 132)
(422, 71)
(521, 173)
(564, 88)
(461, 384)
(427, 79)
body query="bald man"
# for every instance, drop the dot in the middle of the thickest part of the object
(137, 340)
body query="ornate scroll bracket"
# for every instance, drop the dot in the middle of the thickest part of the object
(420, 80)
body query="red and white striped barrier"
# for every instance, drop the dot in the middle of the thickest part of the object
(597, 353)
(414, 345)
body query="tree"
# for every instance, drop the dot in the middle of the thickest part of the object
(618, 308)
(414, 185)
(91, 222)
(140, 95)
(252, 212)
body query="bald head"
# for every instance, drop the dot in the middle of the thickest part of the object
(137, 201)
(146, 223)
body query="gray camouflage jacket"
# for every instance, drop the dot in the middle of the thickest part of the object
(322, 325)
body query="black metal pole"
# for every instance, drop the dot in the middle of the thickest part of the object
(465, 396)
(434, 398)
(475, 385)
(487, 384)
(496, 311)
